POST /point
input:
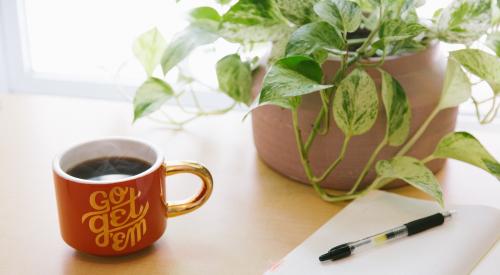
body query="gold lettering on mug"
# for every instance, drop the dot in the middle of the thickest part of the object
(116, 219)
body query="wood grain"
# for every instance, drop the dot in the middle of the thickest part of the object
(253, 218)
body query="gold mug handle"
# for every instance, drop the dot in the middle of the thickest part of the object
(177, 208)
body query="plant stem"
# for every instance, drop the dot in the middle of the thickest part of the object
(325, 107)
(483, 101)
(427, 159)
(339, 52)
(368, 165)
(382, 182)
(491, 113)
(178, 125)
(414, 138)
(372, 34)
(332, 198)
(307, 167)
(300, 147)
(344, 66)
(326, 103)
(376, 184)
(419, 132)
(334, 164)
(476, 108)
(355, 41)
(346, 63)
(378, 64)
(315, 129)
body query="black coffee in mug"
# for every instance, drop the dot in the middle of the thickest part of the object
(109, 168)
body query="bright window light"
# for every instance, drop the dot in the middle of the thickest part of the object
(93, 39)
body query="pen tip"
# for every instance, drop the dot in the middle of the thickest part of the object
(338, 252)
(325, 257)
(449, 213)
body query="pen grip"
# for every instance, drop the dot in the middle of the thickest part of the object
(423, 224)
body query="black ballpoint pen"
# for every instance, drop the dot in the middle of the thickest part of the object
(408, 229)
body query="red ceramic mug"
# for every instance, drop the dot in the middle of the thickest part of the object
(117, 217)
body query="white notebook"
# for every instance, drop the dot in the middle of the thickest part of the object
(464, 244)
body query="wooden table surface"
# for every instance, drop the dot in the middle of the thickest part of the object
(254, 217)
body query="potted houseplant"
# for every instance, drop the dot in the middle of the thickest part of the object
(354, 93)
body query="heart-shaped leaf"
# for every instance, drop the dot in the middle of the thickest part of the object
(355, 105)
(183, 44)
(205, 18)
(150, 96)
(312, 40)
(289, 77)
(148, 48)
(298, 12)
(412, 171)
(253, 21)
(465, 147)
(395, 30)
(482, 64)
(235, 78)
(456, 88)
(400, 9)
(495, 20)
(279, 47)
(397, 109)
(493, 41)
(395, 33)
(464, 21)
(345, 15)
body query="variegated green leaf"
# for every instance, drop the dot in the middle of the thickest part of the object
(394, 34)
(493, 42)
(395, 30)
(367, 6)
(284, 102)
(279, 47)
(401, 9)
(464, 21)
(312, 40)
(290, 77)
(412, 171)
(495, 20)
(465, 147)
(456, 88)
(150, 96)
(235, 78)
(148, 48)
(397, 109)
(355, 104)
(298, 12)
(345, 15)
(182, 45)
(205, 18)
(253, 21)
(482, 64)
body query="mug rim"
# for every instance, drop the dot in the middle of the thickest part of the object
(56, 164)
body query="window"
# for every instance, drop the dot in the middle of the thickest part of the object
(83, 48)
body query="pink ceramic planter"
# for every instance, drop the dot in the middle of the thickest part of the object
(420, 74)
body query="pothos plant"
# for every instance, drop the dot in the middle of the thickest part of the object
(304, 34)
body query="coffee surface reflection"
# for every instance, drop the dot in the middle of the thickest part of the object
(109, 168)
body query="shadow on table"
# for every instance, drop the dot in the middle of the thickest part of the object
(136, 256)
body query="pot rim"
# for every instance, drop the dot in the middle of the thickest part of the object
(430, 47)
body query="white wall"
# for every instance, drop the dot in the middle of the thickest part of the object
(3, 61)
(3, 74)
